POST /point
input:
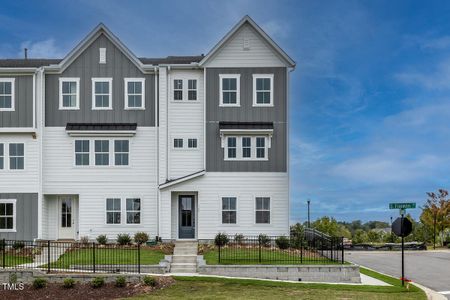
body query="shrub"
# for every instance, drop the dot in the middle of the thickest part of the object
(141, 238)
(264, 240)
(97, 282)
(121, 281)
(150, 280)
(84, 240)
(68, 283)
(239, 238)
(18, 245)
(123, 239)
(39, 283)
(282, 242)
(221, 239)
(2, 244)
(102, 239)
(13, 278)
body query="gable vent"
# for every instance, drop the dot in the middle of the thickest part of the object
(246, 42)
(102, 56)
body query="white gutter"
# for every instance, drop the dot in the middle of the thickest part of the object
(18, 70)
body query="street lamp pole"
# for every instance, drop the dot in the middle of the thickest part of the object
(309, 220)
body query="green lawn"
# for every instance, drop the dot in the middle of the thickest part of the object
(268, 257)
(108, 257)
(13, 260)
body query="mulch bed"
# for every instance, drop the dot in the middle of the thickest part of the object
(84, 291)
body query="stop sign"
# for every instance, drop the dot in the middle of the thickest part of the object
(402, 231)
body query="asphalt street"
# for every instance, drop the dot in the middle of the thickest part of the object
(428, 268)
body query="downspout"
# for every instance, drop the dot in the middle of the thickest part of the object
(167, 122)
(40, 111)
(158, 197)
(288, 107)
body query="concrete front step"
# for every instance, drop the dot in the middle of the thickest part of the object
(184, 259)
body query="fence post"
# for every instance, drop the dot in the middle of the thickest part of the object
(259, 242)
(301, 250)
(48, 256)
(93, 256)
(342, 247)
(219, 252)
(331, 248)
(4, 253)
(139, 258)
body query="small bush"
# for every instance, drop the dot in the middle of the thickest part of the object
(264, 240)
(123, 239)
(68, 283)
(150, 281)
(84, 240)
(282, 242)
(239, 238)
(97, 282)
(102, 239)
(18, 245)
(13, 278)
(121, 281)
(2, 244)
(221, 239)
(141, 238)
(39, 283)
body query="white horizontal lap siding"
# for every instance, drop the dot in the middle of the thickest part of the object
(166, 214)
(245, 186)
(94, 184)
(233, 54)
(20, 181)
(186, 121)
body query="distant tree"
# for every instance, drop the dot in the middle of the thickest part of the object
(374, 236)
(436, 213)
(331, 227)
(359, 237)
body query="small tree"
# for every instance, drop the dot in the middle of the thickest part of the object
(221, 239)
(141, 238)
(436, 213)
(359, 237)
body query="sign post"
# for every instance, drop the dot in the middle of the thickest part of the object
(402, 227)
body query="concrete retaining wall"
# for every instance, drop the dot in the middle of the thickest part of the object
(313, 273)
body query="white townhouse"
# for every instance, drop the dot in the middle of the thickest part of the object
(182, 147)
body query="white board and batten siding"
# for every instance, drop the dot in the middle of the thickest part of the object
(93, 184)
(246, 187)
(246, 48)
(186, 121)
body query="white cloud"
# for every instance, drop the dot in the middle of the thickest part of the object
(438, 79)
(42, 49)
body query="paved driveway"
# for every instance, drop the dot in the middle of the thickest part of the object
(429, 268)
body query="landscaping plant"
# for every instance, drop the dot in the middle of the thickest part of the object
(39, 283)
(84, 240)
(239, 238)
(282, 242)
(102, 239)
(141, 238)
(97, 282)
(264, 240)
(221, 239)
(68, 283)
(150, 281)
(18, 245)
(123, 239)
(121, 281)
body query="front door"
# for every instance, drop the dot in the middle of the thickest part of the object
(66, 218)
(186, 212)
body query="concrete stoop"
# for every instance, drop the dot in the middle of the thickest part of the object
(184, 259)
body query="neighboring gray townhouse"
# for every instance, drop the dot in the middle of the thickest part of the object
(182, 147)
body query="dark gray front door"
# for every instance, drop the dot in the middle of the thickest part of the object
(186, 213)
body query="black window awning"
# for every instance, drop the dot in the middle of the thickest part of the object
(106, 129)
(245, 125)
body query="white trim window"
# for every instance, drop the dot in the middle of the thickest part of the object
(121, 152)
(262, 89)
(69, 93)
(101, 93)
(192, 89)
(192, 143)
(7, 215)
(231, 147)
(2, 156)
(229, 89)
(250, 147)
(16, 156)
(134, 93)
(7, 90)
(82, 152)
(101, 149)
(133, 207)
(262, 210)
(113, 211)
(229, 210)
(261, 147)
(178, 143)
(178, 89)
(246, 147)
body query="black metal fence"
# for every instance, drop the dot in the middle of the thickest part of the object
(70, 256)
(310, 247)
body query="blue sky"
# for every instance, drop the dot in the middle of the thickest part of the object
(370, 104)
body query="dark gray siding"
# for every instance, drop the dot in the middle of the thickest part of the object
(87, 66)
(22, 116)
(246, 113)
(26, 216)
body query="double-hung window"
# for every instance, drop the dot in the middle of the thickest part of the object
(133, 211)
(69, 93)
(102, 152)
(7, 94)
(101, 93)
(121, 152)
(192, 89)
(7, 215)
(260, 147)
(246, 147)
(263, 90)
(134, 93)
(16, 156)
(82, 152)
(229, 89)
(178, 143)
(231, 147)
(113, 211)
(228, 210)
(2, 156)
(262, 210)
(178, 89)
(192, 143)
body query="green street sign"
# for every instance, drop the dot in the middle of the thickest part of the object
(401, 205)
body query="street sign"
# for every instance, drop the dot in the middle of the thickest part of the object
(402, 230)
(401, 205)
